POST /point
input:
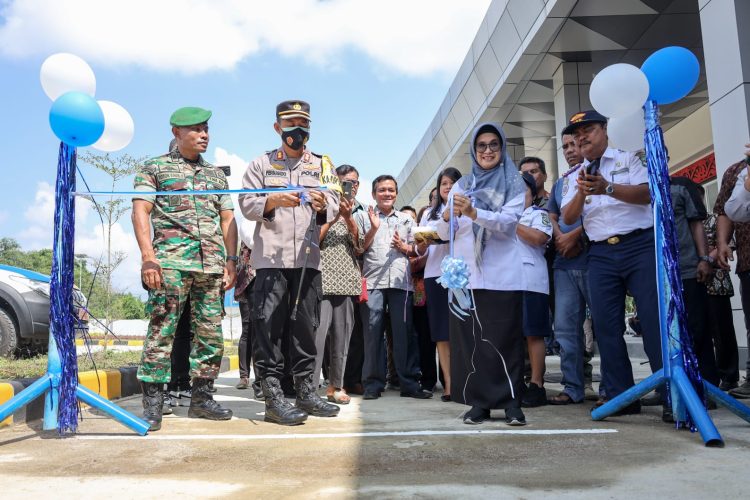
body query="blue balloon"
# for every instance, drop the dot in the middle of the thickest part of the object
(672, 73)
(76, 119)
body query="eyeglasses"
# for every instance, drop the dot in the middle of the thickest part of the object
(354, 182)
(494, 146)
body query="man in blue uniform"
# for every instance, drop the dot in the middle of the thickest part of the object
(609, 192)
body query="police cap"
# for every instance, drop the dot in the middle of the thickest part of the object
(185, 117)
(293, 109)
(583, 118)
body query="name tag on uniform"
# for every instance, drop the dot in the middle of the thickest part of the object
(168, 176)
(621, 171)
(310, 173)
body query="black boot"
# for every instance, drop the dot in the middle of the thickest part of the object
(278, 409)
(309, 401)
(202, 404)
(153, 399)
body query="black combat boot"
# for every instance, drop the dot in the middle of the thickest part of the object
(153, 400)
(278, 409)
(309, 401)
(202, 404)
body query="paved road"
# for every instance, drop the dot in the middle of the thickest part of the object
(392, 447)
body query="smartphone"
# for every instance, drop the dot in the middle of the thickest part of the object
(593, 167)
(347, 187)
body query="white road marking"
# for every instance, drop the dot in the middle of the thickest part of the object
(262, 437)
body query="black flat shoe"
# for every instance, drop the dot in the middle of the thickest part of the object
(371, 395)
(420, 394)
(446, 398)
(476, 415)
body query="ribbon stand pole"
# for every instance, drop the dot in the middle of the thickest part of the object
(60, 383)
(679, 375)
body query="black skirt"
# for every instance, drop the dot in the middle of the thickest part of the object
(437, 309)
(487, 353)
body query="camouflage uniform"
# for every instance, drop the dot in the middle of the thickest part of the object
(189, 246)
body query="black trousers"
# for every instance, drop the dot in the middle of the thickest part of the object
(245, 346)
(695, 296)
(721, 326)
(745, 295)
(273, 297)
(180, 357)
(356, 355)
(426, 349)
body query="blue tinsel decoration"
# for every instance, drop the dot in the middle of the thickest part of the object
(61, 289)
(661, 199)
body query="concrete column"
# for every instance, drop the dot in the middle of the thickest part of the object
(571, 84)
(725, 26)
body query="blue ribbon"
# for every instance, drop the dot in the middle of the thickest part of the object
(207, 192)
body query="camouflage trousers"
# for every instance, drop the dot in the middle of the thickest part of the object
(165, 306)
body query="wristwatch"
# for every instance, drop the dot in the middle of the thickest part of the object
(232, 258)
(609, 189)
(707, 258)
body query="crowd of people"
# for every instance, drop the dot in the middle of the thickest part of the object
(338, 294)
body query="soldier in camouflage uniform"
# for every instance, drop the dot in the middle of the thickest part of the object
(192, 255)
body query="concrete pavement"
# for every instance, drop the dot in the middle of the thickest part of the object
(392, 447)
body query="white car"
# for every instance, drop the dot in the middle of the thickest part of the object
(24, 310)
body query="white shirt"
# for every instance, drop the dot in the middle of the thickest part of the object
(605, 216)
(532, 256)
(437, 252)
(500, 269)
(737, 206)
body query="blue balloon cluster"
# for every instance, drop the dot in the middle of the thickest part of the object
(76, 119)
(672, 73)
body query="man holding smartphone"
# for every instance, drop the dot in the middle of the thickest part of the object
(611, 196)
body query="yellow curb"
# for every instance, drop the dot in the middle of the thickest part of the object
(234, 362)
(6, 393)
(108, 384)
(135, 343)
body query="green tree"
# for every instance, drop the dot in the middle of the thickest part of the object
(111, 211)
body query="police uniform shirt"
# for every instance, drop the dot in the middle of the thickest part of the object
(737, 206)
(535, 272)
(279, 240)
(605, 216)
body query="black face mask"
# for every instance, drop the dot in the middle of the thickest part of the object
(295, 137)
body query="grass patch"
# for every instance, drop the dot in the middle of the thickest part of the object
(109, 360)
(37, 366)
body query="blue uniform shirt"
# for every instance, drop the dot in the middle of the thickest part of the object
(553, 206)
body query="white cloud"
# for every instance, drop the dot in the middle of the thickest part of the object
(40, 217)
(416, 37)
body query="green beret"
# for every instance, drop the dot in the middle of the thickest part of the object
(185, 117)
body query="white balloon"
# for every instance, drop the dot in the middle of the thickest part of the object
(626, 132)
(118, 127)
(619, 90)
(65, 72)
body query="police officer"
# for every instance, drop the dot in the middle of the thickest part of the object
(281, 240)
(610, 192)
(193, 254)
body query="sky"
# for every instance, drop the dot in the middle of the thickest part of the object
(375, 74)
